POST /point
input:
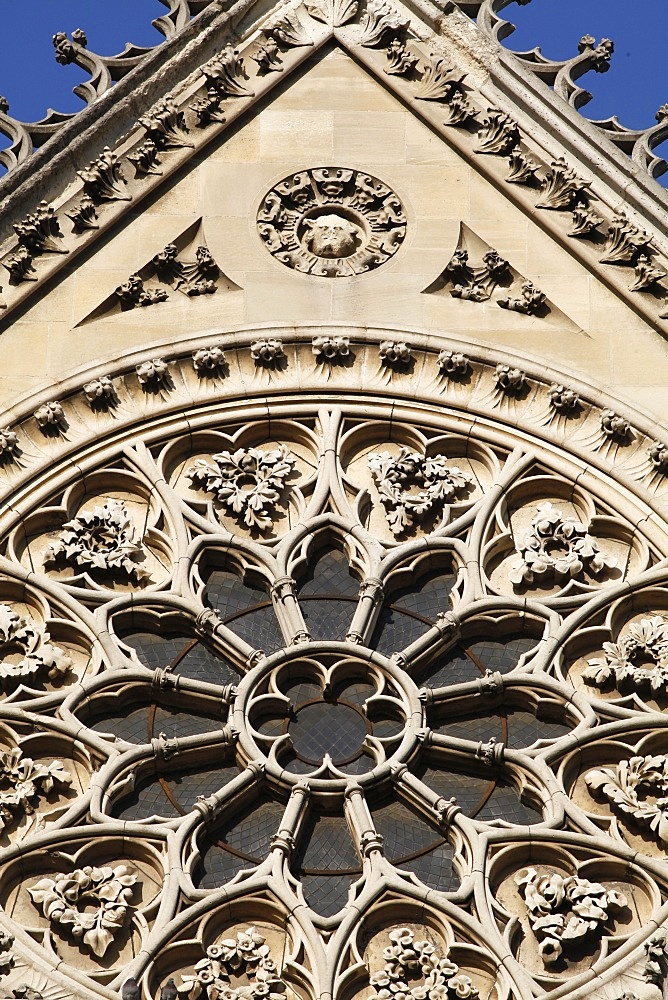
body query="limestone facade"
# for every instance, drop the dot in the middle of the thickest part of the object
(333, 607)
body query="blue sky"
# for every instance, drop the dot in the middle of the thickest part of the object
(635, 86)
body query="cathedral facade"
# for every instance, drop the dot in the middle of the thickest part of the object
(334, 481)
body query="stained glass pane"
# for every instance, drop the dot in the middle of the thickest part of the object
(501, 655)
(524, 729)
(155, 651)
(249, 832)
(325, 844)
(228, 594)
(327, 894)
(469, 790)
(395, 630)
(453, 667)
(259, 629)
(434, 868)
(504, 803)
(327, 619)
(428, 597)
(329, 574)
(148, 799)
(201, 664)
(403, 831)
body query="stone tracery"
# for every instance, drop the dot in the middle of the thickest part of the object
(331, 707)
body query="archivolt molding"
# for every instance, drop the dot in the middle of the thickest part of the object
(331, 679)
(511, 154)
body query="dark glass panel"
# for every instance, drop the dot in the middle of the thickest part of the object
(469, 790)
(501, 656)
(361, 765)
(385, 728)
(325, 845)
(186, 788)
(524, 729)
(155, 651)
(327, 894)
(270, 726)
(327, 619)
(148, 799)
(259, 629)
(299, 690)
(132, 726)
(434, 869)
(199, 663)
(138, 725)
(296, 766)
(321, 728)
(227, 593)
(250, 831)
(427, 599)
(174, 723)
(453, 667)
(481, 729)
(217, 866)
(354, 691)
(329, 574)
(404, 832)
(395, 630)
(504, 803)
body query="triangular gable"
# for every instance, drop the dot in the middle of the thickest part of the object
(422, 72)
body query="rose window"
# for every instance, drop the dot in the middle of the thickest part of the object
(365, 701)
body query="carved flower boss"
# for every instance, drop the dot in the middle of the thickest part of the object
(332, 221)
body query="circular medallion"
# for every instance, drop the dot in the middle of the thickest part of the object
(332, 221)
(328, 715)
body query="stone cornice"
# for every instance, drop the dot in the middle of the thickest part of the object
(490, 387)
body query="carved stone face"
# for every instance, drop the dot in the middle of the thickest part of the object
(332, 236)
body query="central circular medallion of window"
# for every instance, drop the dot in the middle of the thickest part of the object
(327, 714)
(332, 221)
(321, 729)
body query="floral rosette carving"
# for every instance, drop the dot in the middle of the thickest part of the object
(249, 482)
(637, 788)
(36, 655)
(564, 909)
(332, 221)
(217, 976)
(101, 539)
(412, 486)
(89, 903)
(405, 960)
(557, 546)
(638, 660)
(24, 782)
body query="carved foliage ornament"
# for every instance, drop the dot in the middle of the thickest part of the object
(637, 660)
(103, 539)
(90, 903)
(637, 787)
(411, 485)
(245, 956)
(332, 221)
(557, 546)
(25, 650)
(565, 909)
(249, 482)
(23, 782)
(405, 959)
